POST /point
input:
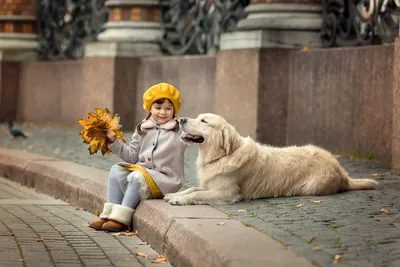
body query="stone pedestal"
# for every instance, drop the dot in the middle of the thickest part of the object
(18, 39)
(277, 24)
(18, 42)
(133, 29)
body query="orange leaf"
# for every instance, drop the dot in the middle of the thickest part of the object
(220, 223)
(159, 259)
(21, 260)
(127, 259)
(141, 254)
(337, 258)
(96, 213)
(40, 240)
(316, 248)
(383, 211)
(24, 186)
(304, 49)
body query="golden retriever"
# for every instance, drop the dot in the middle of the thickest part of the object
(232, 168)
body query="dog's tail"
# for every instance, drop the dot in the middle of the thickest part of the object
(349, 183)
(361, 184)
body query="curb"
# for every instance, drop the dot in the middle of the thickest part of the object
(186, 235)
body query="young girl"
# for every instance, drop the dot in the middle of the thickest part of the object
(153, 159)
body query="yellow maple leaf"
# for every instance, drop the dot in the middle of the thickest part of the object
(95, 127)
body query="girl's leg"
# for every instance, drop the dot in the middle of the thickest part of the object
(115, 194)
(132, 193)
(121, 215)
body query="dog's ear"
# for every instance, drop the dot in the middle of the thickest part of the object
(228, 142)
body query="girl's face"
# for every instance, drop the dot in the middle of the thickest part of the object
(163, 112)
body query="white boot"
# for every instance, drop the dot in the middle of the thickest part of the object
(119, 219)
(106, 210)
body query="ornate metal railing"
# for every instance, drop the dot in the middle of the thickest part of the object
(360, 22)
(195, 26)
(64, 26)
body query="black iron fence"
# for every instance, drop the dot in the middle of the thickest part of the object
(65, 26)
(195, 26)
(360, 22)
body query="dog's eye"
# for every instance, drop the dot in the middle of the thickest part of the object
(202, 120)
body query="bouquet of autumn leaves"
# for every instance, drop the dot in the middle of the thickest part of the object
(95, 129)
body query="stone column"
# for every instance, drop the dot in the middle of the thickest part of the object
(133, 29)
(18, 39)
(277, 24)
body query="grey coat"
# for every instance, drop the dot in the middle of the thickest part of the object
(160, 152)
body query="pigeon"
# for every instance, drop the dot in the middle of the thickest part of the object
(14, 131)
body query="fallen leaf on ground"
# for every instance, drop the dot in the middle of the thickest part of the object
(159, 259)
(300, 205)
(220, 223)
(304, 49)
(141, 254)
(242, 210)
(128, 233)
(79, 208)
(143, 244)
(127, 259)
(21, 260)
(24, 186)
(337, 258)
(97, 213)
(318, 201)
(383, 211)
(57, 150)
(55, 197)
(94, 231)
(373, 174)
(11, 234)
(40, 240)
(30, 146)
(316, 248)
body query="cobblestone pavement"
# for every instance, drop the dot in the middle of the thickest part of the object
(359, 228)
(37, 230)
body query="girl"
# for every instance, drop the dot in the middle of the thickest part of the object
(153, 159)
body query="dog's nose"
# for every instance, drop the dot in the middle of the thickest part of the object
(182, 120)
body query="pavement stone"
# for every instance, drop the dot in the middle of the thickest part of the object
(53, 233)
(348, 224)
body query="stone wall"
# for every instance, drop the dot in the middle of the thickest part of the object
(340, 99)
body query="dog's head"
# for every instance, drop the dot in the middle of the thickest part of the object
(210, 130)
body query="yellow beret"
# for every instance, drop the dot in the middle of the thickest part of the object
(161, 90)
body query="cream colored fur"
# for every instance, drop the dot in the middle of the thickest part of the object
(232, 168)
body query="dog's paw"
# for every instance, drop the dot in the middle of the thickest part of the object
(168, 197)
(178, 201)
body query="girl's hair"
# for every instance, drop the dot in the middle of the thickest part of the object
(158, 101)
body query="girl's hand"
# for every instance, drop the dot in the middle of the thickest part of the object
(111, 135)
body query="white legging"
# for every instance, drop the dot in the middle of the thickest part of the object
(130, 198)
